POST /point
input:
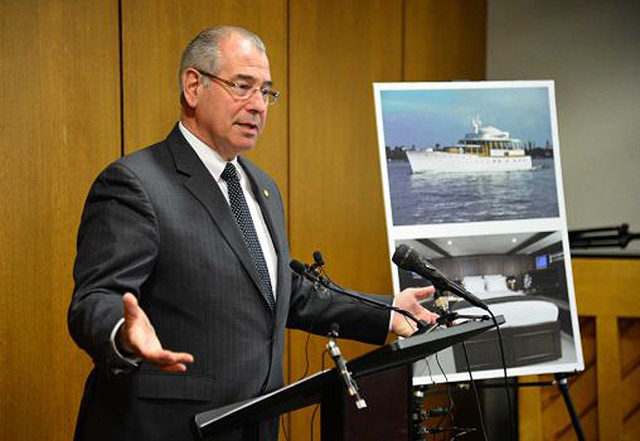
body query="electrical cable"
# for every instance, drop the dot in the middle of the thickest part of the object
(451, 403)
(504, 367)
(309, 331)
(306, 354)
(317, 406)
(426, 359)
(475, 392)
(284, 427)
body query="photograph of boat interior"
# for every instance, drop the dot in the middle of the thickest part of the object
(521, 276)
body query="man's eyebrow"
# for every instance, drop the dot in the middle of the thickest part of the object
(250, 78)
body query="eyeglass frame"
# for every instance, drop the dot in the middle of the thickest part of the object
(269, 96)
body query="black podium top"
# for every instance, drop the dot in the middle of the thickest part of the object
(309, 390)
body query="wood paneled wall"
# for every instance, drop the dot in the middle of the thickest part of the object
(59, 89)
(83, 81)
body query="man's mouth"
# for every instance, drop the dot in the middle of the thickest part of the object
(249, 125)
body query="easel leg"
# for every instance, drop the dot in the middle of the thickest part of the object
(561, 381)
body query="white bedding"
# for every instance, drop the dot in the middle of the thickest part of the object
(486, 295)
(521, 313)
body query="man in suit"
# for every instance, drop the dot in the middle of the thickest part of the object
(182, 245)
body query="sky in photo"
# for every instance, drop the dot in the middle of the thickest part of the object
(443, 116)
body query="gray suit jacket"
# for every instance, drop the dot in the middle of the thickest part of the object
(156, 224)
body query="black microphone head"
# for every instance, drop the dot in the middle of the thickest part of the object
(409, 259)
(402, 254)
(297, 267)
(317, 258)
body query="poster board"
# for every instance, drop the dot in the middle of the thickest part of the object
(472, 181)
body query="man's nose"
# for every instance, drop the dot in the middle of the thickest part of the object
(256, 101)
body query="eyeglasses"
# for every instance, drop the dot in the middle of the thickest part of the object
(245, 90)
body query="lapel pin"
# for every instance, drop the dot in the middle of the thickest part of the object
(266, 193)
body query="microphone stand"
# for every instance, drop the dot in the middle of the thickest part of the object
(447, 317)
(619, 236)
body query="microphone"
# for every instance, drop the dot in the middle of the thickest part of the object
(307, 272)
(409, 259)
(341, 365)
(314, 268)
(317, 258)
(319, 282)
(300, 269)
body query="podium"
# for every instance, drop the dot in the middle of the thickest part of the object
(389, 366)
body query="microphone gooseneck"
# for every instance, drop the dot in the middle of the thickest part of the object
(309, 274)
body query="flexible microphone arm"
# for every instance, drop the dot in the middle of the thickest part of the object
(300, 269)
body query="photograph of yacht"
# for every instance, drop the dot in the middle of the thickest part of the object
(468, 152)
(486, 149)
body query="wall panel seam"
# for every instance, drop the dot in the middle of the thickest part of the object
(121, 73)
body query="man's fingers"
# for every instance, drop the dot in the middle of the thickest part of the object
(429, 316)
(164, 357)
(424, 292)
(179, 367)
(131, 307)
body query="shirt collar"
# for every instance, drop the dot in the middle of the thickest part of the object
(211, 159)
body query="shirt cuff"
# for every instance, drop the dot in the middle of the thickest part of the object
(132, 361)
(391, 315)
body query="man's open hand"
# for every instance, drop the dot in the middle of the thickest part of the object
(409, 300)
(138, 337)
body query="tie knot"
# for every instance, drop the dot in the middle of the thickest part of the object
(230, 173)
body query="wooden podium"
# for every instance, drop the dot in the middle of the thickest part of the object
(384, 376)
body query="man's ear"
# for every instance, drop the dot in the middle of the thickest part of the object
(191, 82)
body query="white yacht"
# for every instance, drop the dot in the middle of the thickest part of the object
(486, 149)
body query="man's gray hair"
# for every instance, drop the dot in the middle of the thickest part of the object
(203, 52)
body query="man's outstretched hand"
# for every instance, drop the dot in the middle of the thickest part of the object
(138, 337)
(409, 300)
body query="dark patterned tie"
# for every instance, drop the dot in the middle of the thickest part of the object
(241, 212)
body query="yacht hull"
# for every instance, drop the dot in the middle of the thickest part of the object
(427, 161)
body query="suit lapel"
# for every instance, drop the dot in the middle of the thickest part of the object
(204, 188)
